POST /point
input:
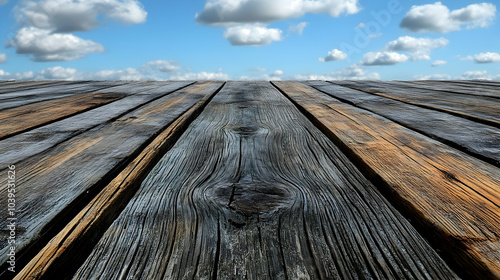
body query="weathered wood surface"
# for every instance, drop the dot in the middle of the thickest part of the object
(24, 97)
(252, 189)
(71, 246)
(223, 203)
(478, 108)
(480, 140)
(450, 195)
(22, 146)
(55, 181)
(479, 90)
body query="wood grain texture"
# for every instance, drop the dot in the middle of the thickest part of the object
(24, 97)
(6, 87)
(69, 248)
(33, 115)
(56, 181)
(479, 140)
(451, 196)
(253, 190)
(477, 108)
(464, 88)
(22, 146)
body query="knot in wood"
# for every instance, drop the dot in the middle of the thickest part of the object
(252, 198)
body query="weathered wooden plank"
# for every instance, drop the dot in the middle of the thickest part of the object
(480, 109)
(451, 196)
(41, 94)
(51, 184)
(22, 85)
(253, 190)
(482, 141)
(453, 88)
(70, 247)
(22, 146)
(16, 120)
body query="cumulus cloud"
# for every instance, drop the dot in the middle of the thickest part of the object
(333, 56)
(163, 66)
(70, 15)
(353, 72)
(46, 26)
(260, 13)
(438, 18)
(58, 73)
(433, 77)
(419, 48)
(488, 57)
(277, 73)
(476, 75)
(3, 58)
(383, 58)
(299, 28)
(252, 35)
(439, 63)
(46, 46)
(224, 12)
(199, 76)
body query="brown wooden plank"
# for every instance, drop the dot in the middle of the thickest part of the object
(68, 248)
(480, 109)
(479, 140)
(253, 190)
(452, 197)
(20, 98)
(22, 146)
(16, 120)
(22, 85)
(58, 181)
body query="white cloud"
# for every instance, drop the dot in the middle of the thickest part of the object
(228, 12)
(199, 76)
(439, 63)
(252, 35)
(299, 28)
(46, 46)
(16, 76)
(3, 58)
(57, 73)
(70, 15)
(353, 72)
(383, 58)
(419, 48)
(259, 13)
(277, 73)
(47, 24)
(333, 56)
(438, 18)
(361, 25)
(477, 75)
(163, 66)
(488, 57)
(433, 77)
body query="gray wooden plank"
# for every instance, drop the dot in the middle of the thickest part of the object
(440, 86)
(51, 184)
(478, 108)
(477, 139)
(253, 190)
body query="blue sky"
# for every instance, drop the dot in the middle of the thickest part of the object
(249, 39)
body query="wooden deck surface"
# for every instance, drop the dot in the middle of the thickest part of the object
(251, 180)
